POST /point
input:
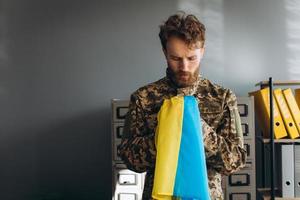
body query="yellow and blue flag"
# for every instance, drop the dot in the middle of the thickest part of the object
(180, 170)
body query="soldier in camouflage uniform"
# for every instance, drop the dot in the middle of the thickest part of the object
(182, 37)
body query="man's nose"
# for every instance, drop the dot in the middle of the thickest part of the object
(184, 65)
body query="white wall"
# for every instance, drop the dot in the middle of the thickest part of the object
(249, 41)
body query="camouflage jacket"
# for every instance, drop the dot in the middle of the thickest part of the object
(222, 135)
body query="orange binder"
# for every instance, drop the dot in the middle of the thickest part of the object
(286, 114)
(262, 109)
(297, 96)
(294, 108)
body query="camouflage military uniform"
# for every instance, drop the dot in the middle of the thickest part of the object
(223, 139)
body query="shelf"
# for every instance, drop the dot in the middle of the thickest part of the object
(265, 189)
(280, 198)
(272, 194)
(282, 141)
(266, 83)
(267, 197)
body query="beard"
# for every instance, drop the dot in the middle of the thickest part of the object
(182, 78)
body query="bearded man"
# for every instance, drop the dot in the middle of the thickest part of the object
(183, 44)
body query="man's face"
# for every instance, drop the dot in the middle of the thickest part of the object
(183, 61)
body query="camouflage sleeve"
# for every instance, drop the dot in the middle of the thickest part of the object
(137, 148)
(224, 147)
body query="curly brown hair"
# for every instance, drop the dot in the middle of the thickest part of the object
(186, 27)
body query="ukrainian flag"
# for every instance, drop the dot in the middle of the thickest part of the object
(180, 171)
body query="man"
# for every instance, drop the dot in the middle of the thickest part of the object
(182, 38)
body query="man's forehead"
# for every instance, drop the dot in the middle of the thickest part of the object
(197, 45)
(178, 40)
(186, 51)
(186, 54)
(175, 44)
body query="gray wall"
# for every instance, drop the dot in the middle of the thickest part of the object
(62, 61)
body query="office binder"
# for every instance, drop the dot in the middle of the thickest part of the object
(297, 96)
(294, 108)
(297, 170)
(262, 108)
(286, 114)
(286, 172)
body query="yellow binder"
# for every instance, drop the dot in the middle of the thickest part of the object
(262, 109)
(297, 96)
(285, 114)
(294, 109)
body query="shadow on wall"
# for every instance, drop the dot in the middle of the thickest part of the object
(293, 38)
(72, 159)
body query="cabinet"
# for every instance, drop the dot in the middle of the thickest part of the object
(128, 185)
(242, 184)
